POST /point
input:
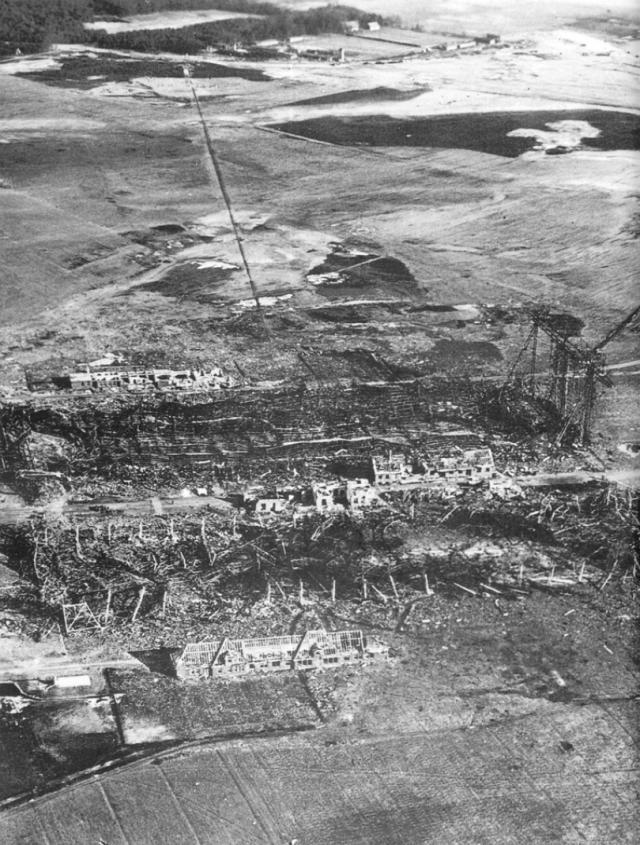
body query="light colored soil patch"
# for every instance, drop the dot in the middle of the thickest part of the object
(165, 20)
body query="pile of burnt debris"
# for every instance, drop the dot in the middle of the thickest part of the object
(236, 427)
(178, 499)
(151, 577)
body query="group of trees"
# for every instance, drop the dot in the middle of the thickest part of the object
(32, 25)
(280, 23)
(124, 8)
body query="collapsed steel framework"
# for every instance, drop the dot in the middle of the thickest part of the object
(573, 372)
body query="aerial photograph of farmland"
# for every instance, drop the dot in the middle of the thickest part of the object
(319, 422)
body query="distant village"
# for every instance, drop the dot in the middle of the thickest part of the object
(296, 46)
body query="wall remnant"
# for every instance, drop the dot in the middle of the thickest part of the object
(311, 650)
(140, 380)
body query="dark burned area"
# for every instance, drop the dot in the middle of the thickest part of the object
(187, 281)
(362, 269)
(380, 93)
(92, 71)
(486, 132)
(69, 154)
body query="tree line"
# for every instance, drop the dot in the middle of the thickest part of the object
(33, 25)
(124, 8)
(280, 24)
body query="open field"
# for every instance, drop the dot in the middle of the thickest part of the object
(562, 780)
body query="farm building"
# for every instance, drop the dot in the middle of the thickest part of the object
(490, 38)
(311, 650)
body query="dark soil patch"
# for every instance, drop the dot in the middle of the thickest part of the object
(188, 281)
(344, 314)
(486, 133)
(448, 353)
(91, 71)
(385, 274)
(72, 159)
(363, 94)
(169, 228)
(208, 708)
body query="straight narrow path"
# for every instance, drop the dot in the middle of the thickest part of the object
(227, 200)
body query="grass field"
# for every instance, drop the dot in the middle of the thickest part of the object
(537, 779)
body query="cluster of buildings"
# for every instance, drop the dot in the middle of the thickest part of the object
(271, 48)
(488, 40)
(446, 476)
(311, 650)
(140, 380)
(295, 46)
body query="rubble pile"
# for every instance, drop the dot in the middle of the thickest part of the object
(189, 572)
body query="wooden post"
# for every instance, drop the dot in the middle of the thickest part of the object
(165, 596)
(78, 549)
(141, 594)
(364, 588)
(35, 561)
(379, 593)
(107, 609)
(333, 590)
(109, 527)
(301, 591)
(205, 544)
(393, 586)
(140, 531)
(427, 588)
(268, 599)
